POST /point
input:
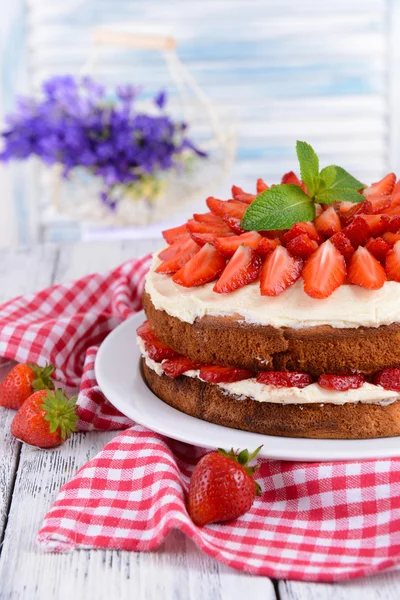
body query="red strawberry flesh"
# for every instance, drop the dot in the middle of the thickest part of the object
(284, 378)
(218, 374)
(243, 268)
(341, 382)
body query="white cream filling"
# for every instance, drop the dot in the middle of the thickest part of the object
(312, 394)
(348, 306)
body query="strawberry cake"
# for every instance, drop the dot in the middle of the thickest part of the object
(261, 321)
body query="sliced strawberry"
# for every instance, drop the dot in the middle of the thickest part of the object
(375, 204)
(279, 271)
(355, 209)
(292, 178)
(284, 378)
(393, 223)
(174, 248)
(174, 367)
(227, 246)
(378, 248)
(299, 228)
(302, 246)
(391, 238)
(395, 197)
(144, 331)
(209, 238)
(173, 234)
(377, 223)
(241, 196)
(324, 271)
(388, 379)
(341, 383)
(217, 374)
(266, 246)
(158, 351)
(219, 229)
(233, 212)
(261, 186)
(237, 191)
(392, 265)
(384, 186)
(215, 205)
(273, 234)
(208, 218)
(243, 268)
(178, 260)
(328, 222)
(344, 206)
(357, 231)
(364, 270)
(204, 267)
(343, 244)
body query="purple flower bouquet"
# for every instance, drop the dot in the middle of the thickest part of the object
(126, 153)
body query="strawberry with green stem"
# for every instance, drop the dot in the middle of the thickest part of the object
(222, 487)
(22, 381)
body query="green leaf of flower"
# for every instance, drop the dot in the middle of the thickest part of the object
(309, 165)
(337, 177)
(280, 207)
(338, 195)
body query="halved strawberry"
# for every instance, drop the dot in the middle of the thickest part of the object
(343, 244)
(217, 374)
(208, 218)
(158, 351)
(284, 378)
(375, 204)
(377, 223)
(233, 212)
(261, 186)
(215, 205)
(328, 222)
(144, 331)
(392, 265)
(279, 271)
(324, 271)
(292, 178)
(364, 270)
(243, 268)
(227, 246)
(391, 238)
(173, 234)
(383, 186)
(388, 379)
(299, 228)
(266, 246)
(178, 260)
(204, 267)
(347, 216)
(357, 231)
(393, 223)
(302, 246)
(242, 196)
(395, 197)
(378, 248)
(175, 248)
(218, 229)
(174, 367)
(341, 383)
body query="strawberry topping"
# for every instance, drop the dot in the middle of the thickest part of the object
(171, 265)
(341, 383)
(364, 270)
(279, 271)
(175, 248)
(299, 228)
(375, 204)
(302, 246)
(204, 267)
(357, 231)
(243, 268)
(215, 205)
(174, 367)
(343, 244)
(324, 271)
(328, 222)
(261, 186)
(284, 378)
(384, 186)
(377, 223)
(266, 246)
(233, 212)
(217, 374)
(388, 379)
(173, 234)
(391, 238)
(145, 332)
(378, 248)
(157, 350)
(392, 264)
(227, 246)
(217, 229)
(208, 218)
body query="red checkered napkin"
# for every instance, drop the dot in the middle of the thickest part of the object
(319, 522)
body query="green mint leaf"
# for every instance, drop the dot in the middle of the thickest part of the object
(338, 195)
(337, 177)
(280, 207)
(309, 165)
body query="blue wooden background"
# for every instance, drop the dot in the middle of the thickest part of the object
(286, 70)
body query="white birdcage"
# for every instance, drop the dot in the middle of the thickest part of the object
(78, 197)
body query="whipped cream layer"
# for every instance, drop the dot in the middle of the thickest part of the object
(348, 306)
(311, 394)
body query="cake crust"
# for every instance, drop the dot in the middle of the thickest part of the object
(328, 421)
(315, 350)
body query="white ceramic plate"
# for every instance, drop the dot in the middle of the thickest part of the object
(119, 376)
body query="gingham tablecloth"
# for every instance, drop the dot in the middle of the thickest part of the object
(315, 522)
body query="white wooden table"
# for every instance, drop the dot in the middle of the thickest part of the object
(30, 480)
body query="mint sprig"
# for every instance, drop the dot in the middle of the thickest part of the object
(283, 205)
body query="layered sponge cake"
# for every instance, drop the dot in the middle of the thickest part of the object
(292, 331)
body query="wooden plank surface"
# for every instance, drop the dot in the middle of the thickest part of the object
(177, 571)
